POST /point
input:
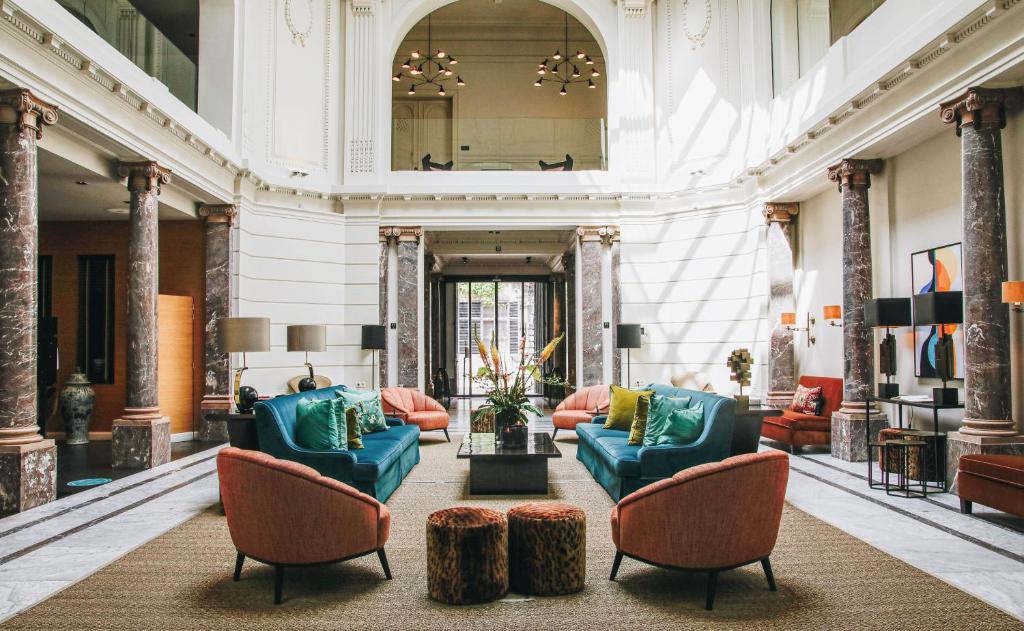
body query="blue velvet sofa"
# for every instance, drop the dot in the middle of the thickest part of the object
(377, 469)
(622, 469)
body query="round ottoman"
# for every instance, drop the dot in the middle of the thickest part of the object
(467, 555)
(547, 548)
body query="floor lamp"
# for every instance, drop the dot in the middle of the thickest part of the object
(628, 336)
(374, 339)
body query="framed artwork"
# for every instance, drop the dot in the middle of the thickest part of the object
(937, 269)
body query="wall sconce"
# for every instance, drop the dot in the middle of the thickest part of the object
(1013, 293)
(833, 314)
(788, 320)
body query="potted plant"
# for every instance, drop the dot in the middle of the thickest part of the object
(507, 388)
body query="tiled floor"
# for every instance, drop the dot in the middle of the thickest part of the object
(49, 548)
(93, 460)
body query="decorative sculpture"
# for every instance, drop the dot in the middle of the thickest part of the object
(739, 365)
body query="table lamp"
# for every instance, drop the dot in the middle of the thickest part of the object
(887, 313)
(374, 339)
(939, 308)
(628, 336)
(307, 338)
(244, 335)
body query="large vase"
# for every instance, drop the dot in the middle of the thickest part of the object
(501, 420)
(77, 400)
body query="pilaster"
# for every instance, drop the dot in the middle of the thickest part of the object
(597, 303)
(219, 219)
(634, 99)
(780, 237)
(409, 306)
(362, 88)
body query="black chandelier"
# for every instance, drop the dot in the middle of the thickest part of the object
(565, 69)
(434, 68)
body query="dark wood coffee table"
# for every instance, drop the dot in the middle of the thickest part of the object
(496, 470)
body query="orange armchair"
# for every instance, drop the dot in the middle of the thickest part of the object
(286, 514)
(709, 518)
(580, 407)
(415, 408)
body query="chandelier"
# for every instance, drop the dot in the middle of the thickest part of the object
(565, 69)
(434, 68)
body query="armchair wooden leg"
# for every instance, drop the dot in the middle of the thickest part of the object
(767, 566)
(615, 565)
(709, 601)
(447, 437)
(239, 560)
(278, 583)
(384, 563)
(554, 433)
(966, 506)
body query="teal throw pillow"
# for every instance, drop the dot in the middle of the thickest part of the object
(369, 413)
(658, 414)
(316, 425)
(683, 427)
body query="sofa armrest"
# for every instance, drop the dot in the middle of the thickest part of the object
(337, 465)
(664, 461)
(393, 421)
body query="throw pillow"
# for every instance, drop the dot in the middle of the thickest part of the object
(636, 432)
(808, 400)
(316, 425)
(369, 413)
(622, 407)
(352, 425)
(683, 426)
(658, 416)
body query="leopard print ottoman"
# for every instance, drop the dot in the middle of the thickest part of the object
(547, 548)
(467, 555)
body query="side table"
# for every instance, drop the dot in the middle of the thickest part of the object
(746, 430)
(241, 429)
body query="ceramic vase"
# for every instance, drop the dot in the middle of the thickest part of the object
(77, 400)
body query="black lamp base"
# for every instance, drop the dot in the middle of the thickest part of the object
(888, 390)
(247, 398)
(306, 384)
(945, 396)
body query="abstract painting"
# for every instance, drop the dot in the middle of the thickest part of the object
(937, 269)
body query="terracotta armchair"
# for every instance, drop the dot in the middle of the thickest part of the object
(709, 518)
(580, 407)
(797, 429)
(415, 408)
(286, 514)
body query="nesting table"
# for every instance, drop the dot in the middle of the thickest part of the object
(498, 470)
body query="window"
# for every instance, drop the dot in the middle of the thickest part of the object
(96, 317)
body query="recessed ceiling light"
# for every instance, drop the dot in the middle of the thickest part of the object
(81, 183)
(118, 211)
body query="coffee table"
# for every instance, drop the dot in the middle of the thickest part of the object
(497, 470)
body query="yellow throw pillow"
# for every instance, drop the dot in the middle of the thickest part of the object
(622, 407)
(636, 432)
(355, 441)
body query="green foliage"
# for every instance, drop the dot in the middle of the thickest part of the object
(506, 386)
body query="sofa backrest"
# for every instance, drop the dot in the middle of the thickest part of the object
(831, 389)
(588, 399)
(719, 413)
(275, 419)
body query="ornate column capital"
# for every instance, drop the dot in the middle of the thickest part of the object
(219, 213)
(852, 173)
(409, 234)
(363, 7)
(399, 233)
(605, 234)
(980, 106)
(634, 8)
(19, 107)
(780, 212)
(143, 176)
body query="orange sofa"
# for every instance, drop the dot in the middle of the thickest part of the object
(285, 514)
(995, 480)
(797, 429)
(415, 408)
(580, 407)
(709, 518)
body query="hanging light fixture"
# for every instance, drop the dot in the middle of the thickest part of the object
(566, 70)
(430, 68)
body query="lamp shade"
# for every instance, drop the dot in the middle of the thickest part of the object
(627, 336)
(887, 312)
(788, 318)
(939, 307)
(374, 337)
(311, 338)
(832, 312)
(244, 335)
(1013, 291)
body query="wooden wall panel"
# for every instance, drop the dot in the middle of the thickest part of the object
(175, 369)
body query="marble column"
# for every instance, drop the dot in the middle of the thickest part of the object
(558, 313)
(591, 333)
(612, 241)
(219, 219)
(979, 115)
(571, 306)
(388, 238)
(28, 462)
(141, 438)
(849, 438)
(780, 241)
(408, 307)
(428, 325)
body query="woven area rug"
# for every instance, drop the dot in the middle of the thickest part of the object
(827, 579)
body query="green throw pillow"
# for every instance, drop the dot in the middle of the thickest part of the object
(683, 427)
(352, 423)
(316, 425)
(622, 407)
(369, 413)
(636, 432)
(658, 416)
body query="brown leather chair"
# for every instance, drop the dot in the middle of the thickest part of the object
(709, 518)
(580, 407)
(797, 429)
(285, 514)
(415, 408)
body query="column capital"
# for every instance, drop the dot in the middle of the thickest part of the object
(363, 7)
(635, 8)
(218, 213)
(780, 212)
(606, 234)
(146, 175)
(19, 107)
(853, 173)
(979, 106)
(399, 233)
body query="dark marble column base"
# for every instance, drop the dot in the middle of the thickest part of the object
(210, 430)
(959, 444)
(141, 443)
(781, 399)
(28, 476)
(849, 441)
